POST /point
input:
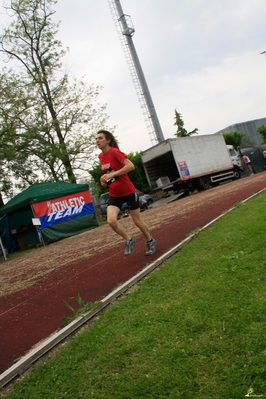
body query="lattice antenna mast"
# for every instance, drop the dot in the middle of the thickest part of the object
(126, 30)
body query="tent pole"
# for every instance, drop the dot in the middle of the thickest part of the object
(3, 248)
(38, 229)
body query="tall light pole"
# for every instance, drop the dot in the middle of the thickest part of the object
(126, 31)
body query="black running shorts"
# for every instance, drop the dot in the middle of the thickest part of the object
(132, 201)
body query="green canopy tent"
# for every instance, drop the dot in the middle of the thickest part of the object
(61, 210)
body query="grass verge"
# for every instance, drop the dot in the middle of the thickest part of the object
(195, 328)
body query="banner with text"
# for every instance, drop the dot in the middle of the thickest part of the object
(184, 170)
(58, 210)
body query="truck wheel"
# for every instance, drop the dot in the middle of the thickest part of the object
(205, 183)
(237, 174)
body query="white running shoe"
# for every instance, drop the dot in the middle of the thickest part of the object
(129, 246)
(150, 247)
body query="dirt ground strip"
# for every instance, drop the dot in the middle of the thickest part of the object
(36, 286)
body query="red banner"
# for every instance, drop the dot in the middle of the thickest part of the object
(60, 209)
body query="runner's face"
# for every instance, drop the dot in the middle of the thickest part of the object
(102, 142)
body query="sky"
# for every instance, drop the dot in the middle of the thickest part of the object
(200, 57)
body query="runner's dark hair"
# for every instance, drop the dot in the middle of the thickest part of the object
(109, 136)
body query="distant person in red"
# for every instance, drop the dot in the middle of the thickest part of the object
(114, 166)
(248, 163)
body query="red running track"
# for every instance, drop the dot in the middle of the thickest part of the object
(32, 314)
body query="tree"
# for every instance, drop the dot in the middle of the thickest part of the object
(237, 139)
(246, 141)
(138, 176)
(181, 131)
(262, 130)
(47, 119)
(234, 139)
(95, 173)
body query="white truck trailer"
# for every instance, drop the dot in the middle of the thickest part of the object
(189, 163)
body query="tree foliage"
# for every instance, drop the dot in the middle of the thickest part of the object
(262, 130)
(246, 141)
(47, 120)
(237, 139)
(138, 174)
(181, 131)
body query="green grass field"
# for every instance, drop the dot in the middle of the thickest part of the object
(195, 328)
